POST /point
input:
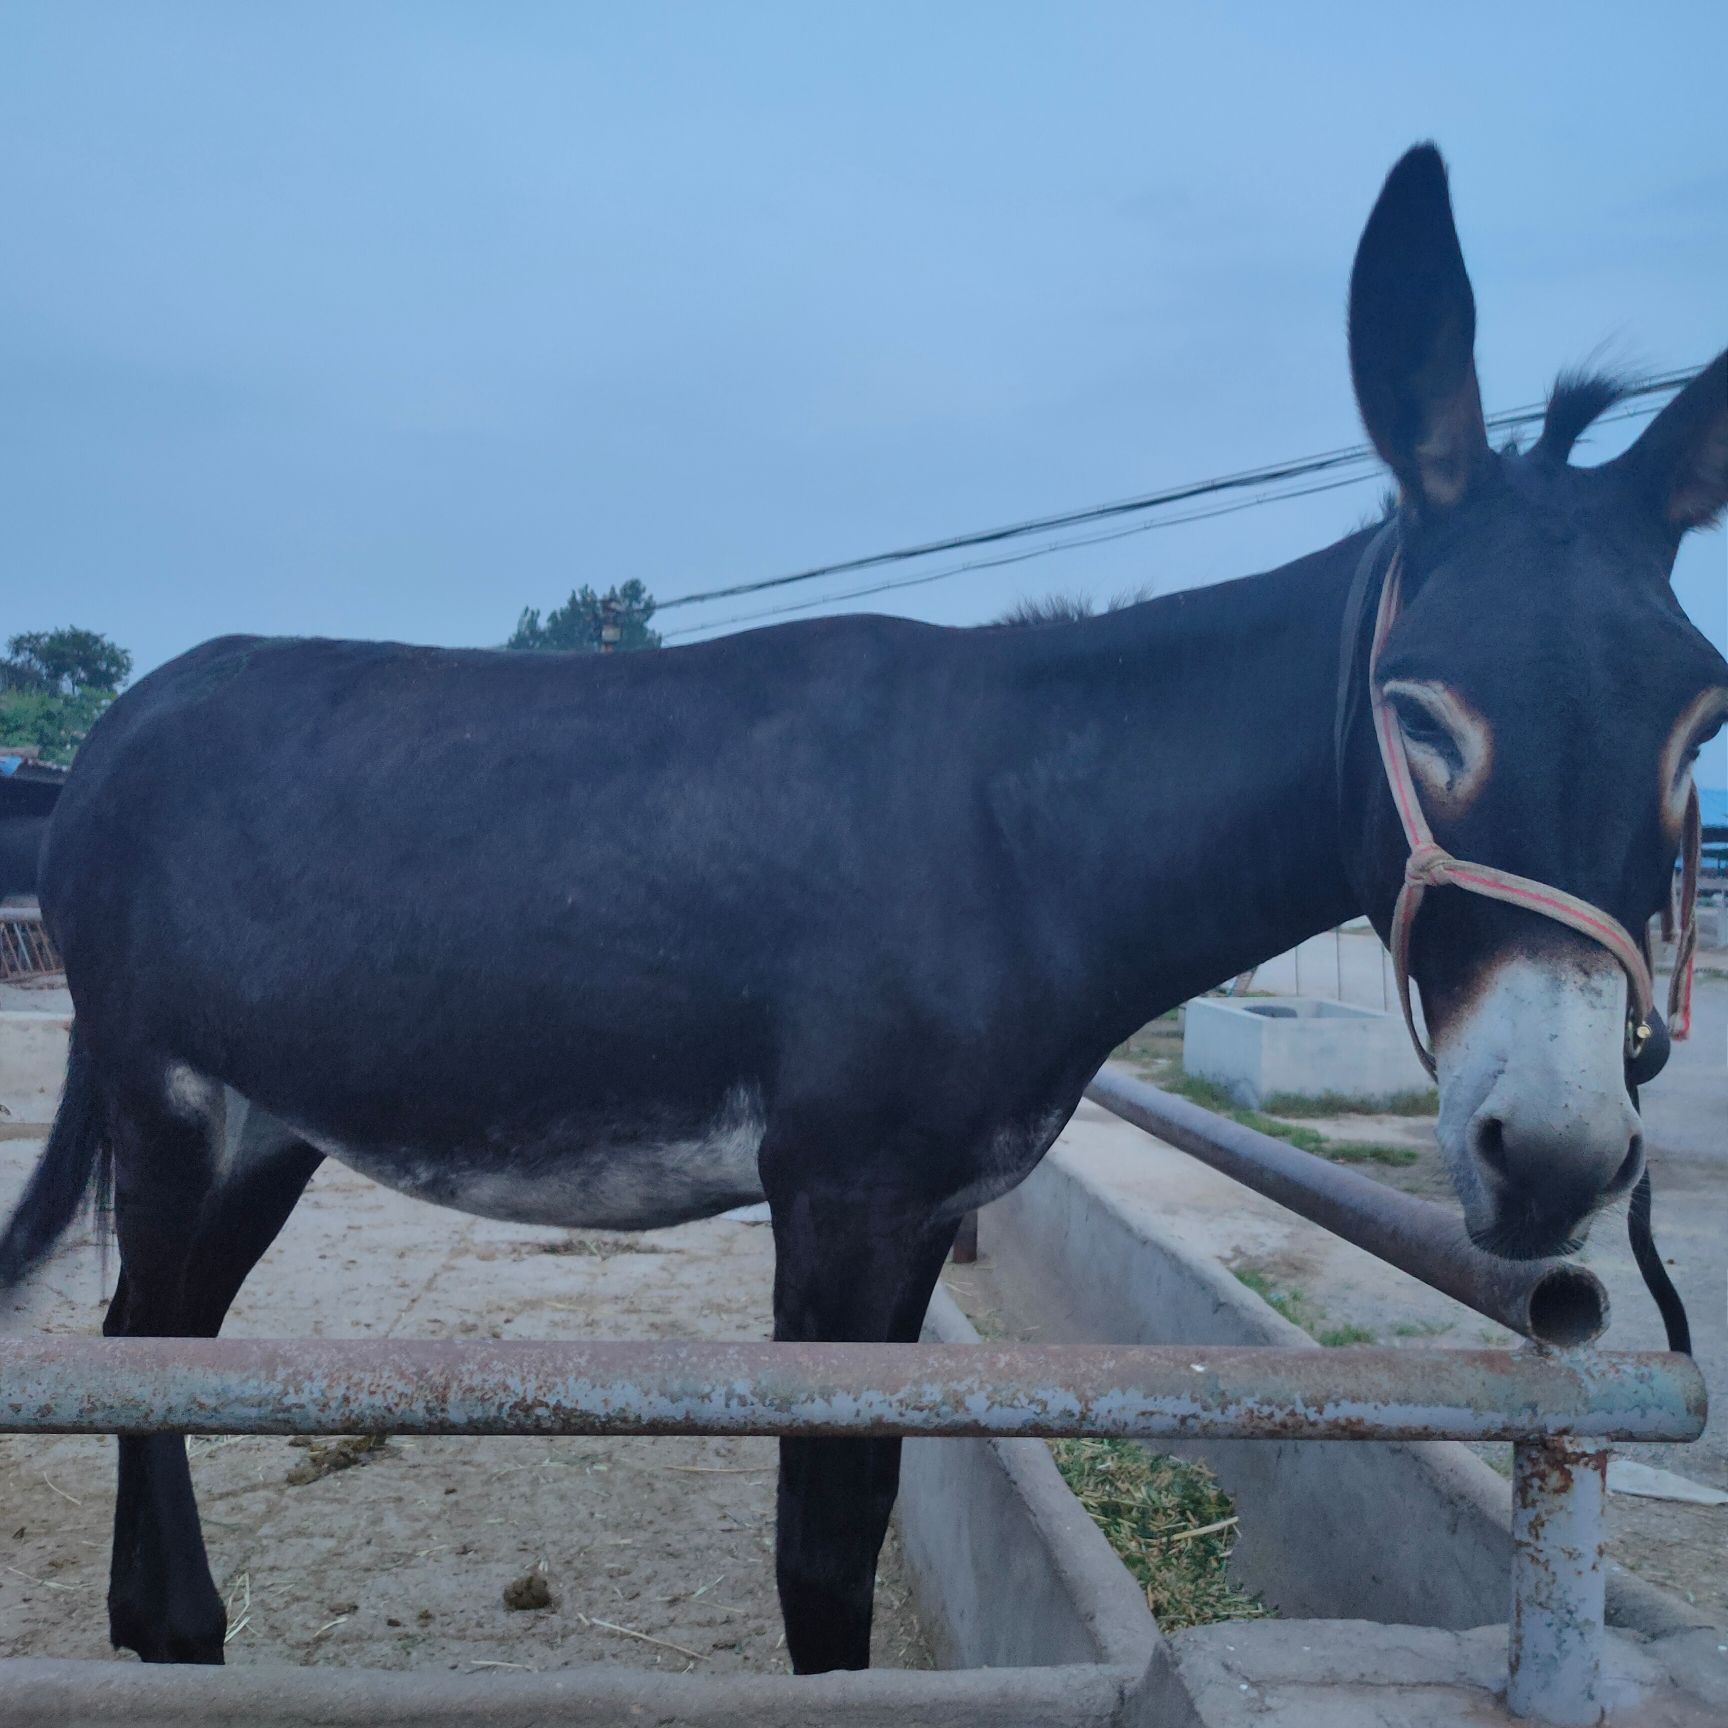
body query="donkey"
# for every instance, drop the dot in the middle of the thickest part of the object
(845, 913)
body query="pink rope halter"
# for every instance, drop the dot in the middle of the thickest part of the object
(1430, 865)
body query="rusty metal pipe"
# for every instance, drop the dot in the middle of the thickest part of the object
(1553, 1301)
(1555, 1640)
(312, 1386)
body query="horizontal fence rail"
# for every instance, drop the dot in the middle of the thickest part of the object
(256, 1386)
(1552, 1301)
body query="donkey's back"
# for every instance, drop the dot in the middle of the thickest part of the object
(538, 936)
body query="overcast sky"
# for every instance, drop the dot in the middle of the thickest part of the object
(390, 320)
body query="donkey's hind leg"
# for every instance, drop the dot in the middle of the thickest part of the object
(188, 1233)
(849, 1267)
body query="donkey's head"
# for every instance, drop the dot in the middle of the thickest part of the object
(1551, 695)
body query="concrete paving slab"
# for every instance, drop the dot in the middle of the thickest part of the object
(1335, 1674)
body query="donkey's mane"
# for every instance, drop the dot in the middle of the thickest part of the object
(1577, 399)
(1063, 609)
(1047, 609)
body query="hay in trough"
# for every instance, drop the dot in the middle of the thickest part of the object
(1170, 1523)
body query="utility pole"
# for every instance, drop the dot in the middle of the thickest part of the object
(611, 630)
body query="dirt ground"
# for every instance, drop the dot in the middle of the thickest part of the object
(655, 1553)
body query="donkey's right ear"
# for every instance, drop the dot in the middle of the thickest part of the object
(1413, 338)
(1680, 462)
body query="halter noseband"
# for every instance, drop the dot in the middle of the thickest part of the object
(1430, 865)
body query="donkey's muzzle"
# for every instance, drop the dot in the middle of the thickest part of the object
(1545, 1177)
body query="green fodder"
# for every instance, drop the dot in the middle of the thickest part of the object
(1370, 1152)
(1422, 1101)
(1342, 1337)
(1290, 1303)
(1209, 1095)
(1170, 1523)
(1293, 1305)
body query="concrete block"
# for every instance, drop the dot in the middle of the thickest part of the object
(1329, 1673)
(1257, 1047)
(69, 1694)
(1007, 1567)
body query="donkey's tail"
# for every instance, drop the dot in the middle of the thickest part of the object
(78, 1159)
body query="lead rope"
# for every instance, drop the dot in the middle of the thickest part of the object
(1656, 1279)
(1430, 865)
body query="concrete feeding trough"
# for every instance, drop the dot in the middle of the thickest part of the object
(1035, 1621)
(1258, 1047)
(1387, 1562)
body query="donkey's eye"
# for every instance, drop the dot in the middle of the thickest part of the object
(1421, 729)
(1689, 756)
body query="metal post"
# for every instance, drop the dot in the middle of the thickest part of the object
(1554, 1654)
(965, 1250)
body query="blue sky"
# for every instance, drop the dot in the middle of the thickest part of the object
(390, 320)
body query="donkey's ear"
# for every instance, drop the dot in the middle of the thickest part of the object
(1680, 462)
(1413, 337)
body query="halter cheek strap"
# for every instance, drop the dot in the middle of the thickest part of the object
(1430, 865)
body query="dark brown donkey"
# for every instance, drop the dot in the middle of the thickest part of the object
(846, 913)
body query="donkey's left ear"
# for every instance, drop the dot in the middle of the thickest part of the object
(1680, 462)
(1413, 338)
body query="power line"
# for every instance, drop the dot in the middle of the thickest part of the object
(1501, 422)
(1020, 557)
(1298, 468)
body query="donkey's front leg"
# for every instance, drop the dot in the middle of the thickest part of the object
(850, 1267)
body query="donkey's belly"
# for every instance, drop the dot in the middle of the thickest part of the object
(570, 1174)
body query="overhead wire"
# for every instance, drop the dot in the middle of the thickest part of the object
(1269, 474)
(1506, 420)
(1021, 557)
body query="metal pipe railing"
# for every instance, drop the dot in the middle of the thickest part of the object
(410, 1386)
(1552, 1301)
(1559, 1592)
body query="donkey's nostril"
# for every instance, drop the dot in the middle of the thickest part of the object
(1488, 1137)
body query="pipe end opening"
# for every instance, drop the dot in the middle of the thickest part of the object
(1568, 1308)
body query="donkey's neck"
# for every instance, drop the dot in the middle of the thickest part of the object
(1182, 786)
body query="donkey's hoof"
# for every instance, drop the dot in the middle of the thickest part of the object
(166, 1636)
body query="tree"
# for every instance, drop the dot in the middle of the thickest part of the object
(63, 661)
(54, 685)
(579, 622)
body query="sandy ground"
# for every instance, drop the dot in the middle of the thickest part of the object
(658, 1553)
